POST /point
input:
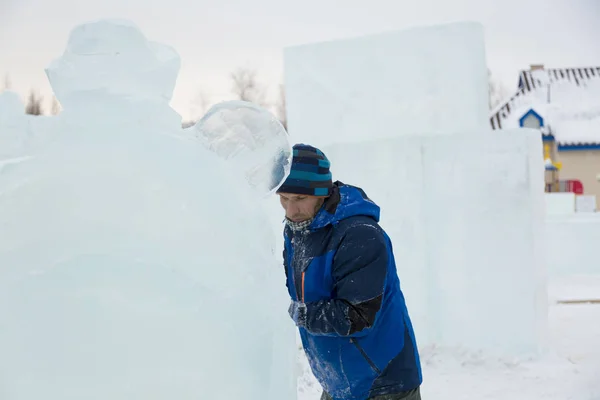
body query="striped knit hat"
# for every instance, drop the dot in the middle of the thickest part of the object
(309, 173)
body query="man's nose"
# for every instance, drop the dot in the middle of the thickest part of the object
(292, 209)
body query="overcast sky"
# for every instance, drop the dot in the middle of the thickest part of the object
(214, 37)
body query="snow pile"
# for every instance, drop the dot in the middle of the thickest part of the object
(133, 263)
(541, 77)
(14, 126)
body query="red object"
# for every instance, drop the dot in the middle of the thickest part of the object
(575, 186)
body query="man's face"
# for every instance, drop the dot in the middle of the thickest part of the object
(299, 207)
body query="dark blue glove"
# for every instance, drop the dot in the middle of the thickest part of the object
(297, 311)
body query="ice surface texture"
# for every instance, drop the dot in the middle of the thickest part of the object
(466, 218)
(418, 81)
(132, 265)
(251, 139)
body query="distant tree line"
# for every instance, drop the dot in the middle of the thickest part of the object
(35, 102)
(245, 86)
(497, 91)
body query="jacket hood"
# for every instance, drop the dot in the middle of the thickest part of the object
(345, 201)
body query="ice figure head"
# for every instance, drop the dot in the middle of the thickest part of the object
(132, 264)
(113, 58)
(252, 140)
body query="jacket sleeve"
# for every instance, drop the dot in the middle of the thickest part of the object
(359, 272)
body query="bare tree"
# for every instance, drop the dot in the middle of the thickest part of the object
(7, 83)
(281, 107)
(34, 104)
(246, 86)
(187, 124)
(497, 91)
(200, 103)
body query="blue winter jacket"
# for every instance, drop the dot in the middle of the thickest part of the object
(358, 336)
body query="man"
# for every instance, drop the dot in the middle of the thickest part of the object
(346, 297)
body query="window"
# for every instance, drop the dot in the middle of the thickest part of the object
(531, 121)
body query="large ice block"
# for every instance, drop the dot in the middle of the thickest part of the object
(465, 214)
(426, 80)
(484, 224)
(133, 264)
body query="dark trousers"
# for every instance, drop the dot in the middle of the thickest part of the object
(414, 394)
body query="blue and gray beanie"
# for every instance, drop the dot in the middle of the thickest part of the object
(309, 173)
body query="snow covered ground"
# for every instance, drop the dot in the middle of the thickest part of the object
(570, 369)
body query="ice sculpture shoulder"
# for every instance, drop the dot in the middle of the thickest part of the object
(132, 265)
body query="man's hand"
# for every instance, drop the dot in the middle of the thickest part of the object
(297, 311)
